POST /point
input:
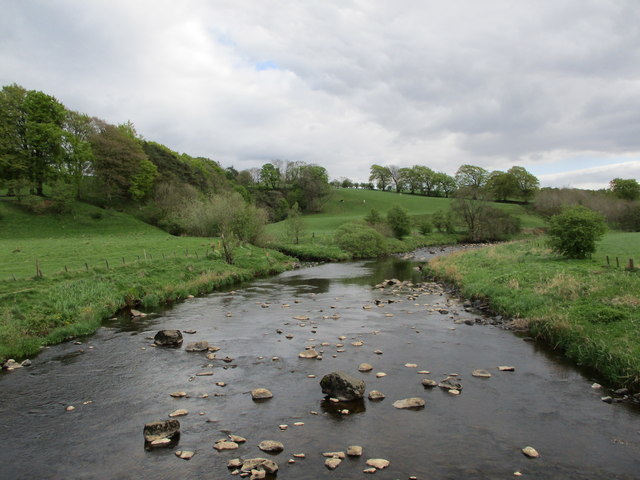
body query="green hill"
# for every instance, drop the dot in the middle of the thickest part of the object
(347, 204)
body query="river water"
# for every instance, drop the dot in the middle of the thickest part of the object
(117, 382)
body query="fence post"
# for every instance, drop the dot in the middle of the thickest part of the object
(631, 264)
(608, 260)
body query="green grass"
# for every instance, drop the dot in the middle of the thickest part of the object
(348, 205)
(584, 308)
(64, 304)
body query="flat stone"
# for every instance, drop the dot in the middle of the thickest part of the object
(234, 463)
(354, 451)
(411, 365)
(378, 463)
(340, 455)
(364, 367)
(271, 446)
(185, 454)
(370, 470)
(506, 368)
(221, 445)
(332, 463)
(178, 394)
(311, 353)
(204, 374)
(412, 403)
(201, 346)
(261, 394)
(258, 475)
(264, 464)
(481, 373)
(179, 413)
(380, 374)
(376, 395)
(428, 383)
(237, 438)
(530, 452)
(161, 442)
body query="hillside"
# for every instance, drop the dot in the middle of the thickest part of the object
(347, 204)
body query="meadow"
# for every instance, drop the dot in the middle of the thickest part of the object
(585, 308)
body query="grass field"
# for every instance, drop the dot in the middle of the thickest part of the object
(90, 236)
(586, 309)
(61, 304)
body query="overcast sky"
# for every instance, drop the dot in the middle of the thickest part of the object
(553, 86)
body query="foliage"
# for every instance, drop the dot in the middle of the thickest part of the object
(294, 224)
(588, 311)
(472, 178)
(574, 232)
(484, 222)
(381, 175)
(360, 240)
(629, 219)
(425, 227)
(526, 183)
(398, 220)
(373, 217)
(502, 186)
(63, 195)
(443, 221)
(627, 189)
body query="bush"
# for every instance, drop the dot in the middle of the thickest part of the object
(629, 220)
(425, 227)
(360, 240)
(574, 232)
(373, 217)
(63, 196)
(443, 221)
(398, 220)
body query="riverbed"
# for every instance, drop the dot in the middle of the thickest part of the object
(117, 381)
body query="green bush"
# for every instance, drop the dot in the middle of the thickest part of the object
(360, 240)
(425, 227)
(398, 220)
(574, 232)
(373, 217)
(63, 196)
(443, 221)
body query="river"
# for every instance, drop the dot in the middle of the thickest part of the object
(117, 382)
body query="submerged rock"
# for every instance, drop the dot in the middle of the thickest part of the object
(263, 464)
(481, 373)
(168, 338)
(342, 386)
(412, 403)
(272, 446)
(201, 346)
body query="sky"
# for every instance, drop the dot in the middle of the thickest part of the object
(553, 86)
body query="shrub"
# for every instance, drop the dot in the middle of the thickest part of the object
(360, 240)
(425, 227)
(373, 217)
(398, 220)
(63, 196)
(629, 220)
(574, 232)
(443, 221)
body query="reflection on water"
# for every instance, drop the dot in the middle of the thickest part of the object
(123, 382)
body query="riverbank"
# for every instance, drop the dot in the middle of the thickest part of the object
(51, 309)
(584, 308)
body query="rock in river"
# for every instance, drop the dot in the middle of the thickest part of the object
(263, 464)
(378, 463)
(261, 394)
(342, 386)
(201, 346)
(163, 429)
(530, 452)
(481, 373)
(311, 353)
(168, 338)
(413, 403)
(271, 446)
(376, 395)
(364, 367)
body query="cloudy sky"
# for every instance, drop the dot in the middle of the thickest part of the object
(553, 86)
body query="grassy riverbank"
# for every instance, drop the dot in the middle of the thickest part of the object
(112, 261)
(585, 308)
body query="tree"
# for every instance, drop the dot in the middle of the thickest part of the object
(502, 185)
(527, 183)
(398, 220)
(13, 142)
(120, 164)
(294, 224)
(396, 177)
(574, 232)
(76, 145)
(628, 189)
(381, 175)
(270, 176)
(471, 178)
(311, 188)
(444, 184)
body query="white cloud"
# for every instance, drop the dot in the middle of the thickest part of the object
(344, 83)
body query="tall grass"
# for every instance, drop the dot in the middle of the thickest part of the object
(584, 308)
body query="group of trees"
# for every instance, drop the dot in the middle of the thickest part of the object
(516, 184)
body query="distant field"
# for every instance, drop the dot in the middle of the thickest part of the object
(92, 235)
(348, 204)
